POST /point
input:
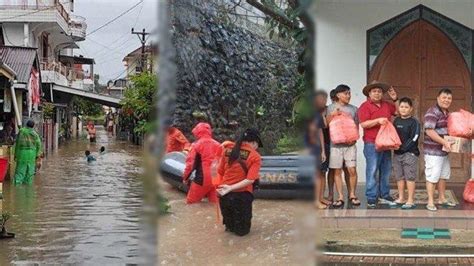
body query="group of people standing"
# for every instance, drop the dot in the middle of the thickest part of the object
(376, 111)
(223, 173)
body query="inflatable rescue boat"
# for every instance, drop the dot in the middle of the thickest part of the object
(281, 177)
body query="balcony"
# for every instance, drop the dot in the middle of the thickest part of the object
(53, 71)
(24, 11)
(77, 27)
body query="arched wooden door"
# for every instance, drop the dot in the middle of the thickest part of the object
(419, 61)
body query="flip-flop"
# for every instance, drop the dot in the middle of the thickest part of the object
(447, 204)
(408, 206)
(338, 203)
(431, 208)
(354, 201)
(322, 208)
(400, 203)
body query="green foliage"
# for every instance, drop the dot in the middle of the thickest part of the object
(292, 14)
(163, 205)
(260, 110)
(288, 143)
(302, 104)
(139, 100)
(85, 107)
(4, 218)
(48, 109)
(96, 119)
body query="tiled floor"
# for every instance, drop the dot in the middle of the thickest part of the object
(360, 192)
(361, 260)
(383, 216)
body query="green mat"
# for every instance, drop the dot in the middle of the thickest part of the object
(426, 233)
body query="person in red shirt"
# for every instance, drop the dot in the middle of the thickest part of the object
(372, 114)
(176, 141)
(239, 168)
(203, 152)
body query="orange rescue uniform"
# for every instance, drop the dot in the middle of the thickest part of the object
(176, 141)
(232, 174)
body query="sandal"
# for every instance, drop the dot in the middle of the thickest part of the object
(431, 208)
(408, 206)
(321, 207)
(399, 202)
(447, 204)
(354, 201)
(326, 201)
(338, 203)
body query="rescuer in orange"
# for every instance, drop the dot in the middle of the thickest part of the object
(203, 153)
(239, 169)
(175, 139)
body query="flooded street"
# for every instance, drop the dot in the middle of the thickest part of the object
(191, 235)
(78, 212)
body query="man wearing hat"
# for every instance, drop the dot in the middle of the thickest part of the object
(372, 114)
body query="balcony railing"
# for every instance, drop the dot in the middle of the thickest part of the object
(78, 27)
(70, 74)
(36, 5)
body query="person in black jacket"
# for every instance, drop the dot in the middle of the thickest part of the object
(405, 160)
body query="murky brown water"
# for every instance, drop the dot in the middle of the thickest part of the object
(76, 212)
(282, 234)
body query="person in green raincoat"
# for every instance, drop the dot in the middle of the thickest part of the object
(27, 151)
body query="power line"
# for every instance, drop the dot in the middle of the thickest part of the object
(107, 48)
(117, 50)
(114, 19)
(122, 71)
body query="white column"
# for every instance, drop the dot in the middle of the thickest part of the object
(26, 34)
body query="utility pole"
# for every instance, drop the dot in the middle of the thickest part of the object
(141, 36)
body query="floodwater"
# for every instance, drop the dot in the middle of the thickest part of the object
(78, 212)
(282, 233)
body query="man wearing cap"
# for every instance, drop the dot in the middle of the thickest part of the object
(372, 114)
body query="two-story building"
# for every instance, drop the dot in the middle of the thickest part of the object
(37, 40)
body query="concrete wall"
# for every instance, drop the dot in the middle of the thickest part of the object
(341, 27)
(13, 34)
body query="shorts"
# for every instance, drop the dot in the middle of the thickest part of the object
(92, 139)
(325, 165)
(405, 166)
(343, 156)
(437, 167)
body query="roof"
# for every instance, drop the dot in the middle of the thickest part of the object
(78, 59)
(7, 70)
(20, 60)
(153, 49)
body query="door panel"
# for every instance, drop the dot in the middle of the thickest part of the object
(419, 61)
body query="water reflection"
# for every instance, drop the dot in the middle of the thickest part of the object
(77, 212)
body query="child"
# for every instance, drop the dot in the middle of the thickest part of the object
(102, 150)
(405, 160)
(89, 157)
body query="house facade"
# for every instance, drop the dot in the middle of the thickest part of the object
(416, 46)
(37, 39)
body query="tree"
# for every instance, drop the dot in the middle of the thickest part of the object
(291, 20)
(139, 101)
(85, 107)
